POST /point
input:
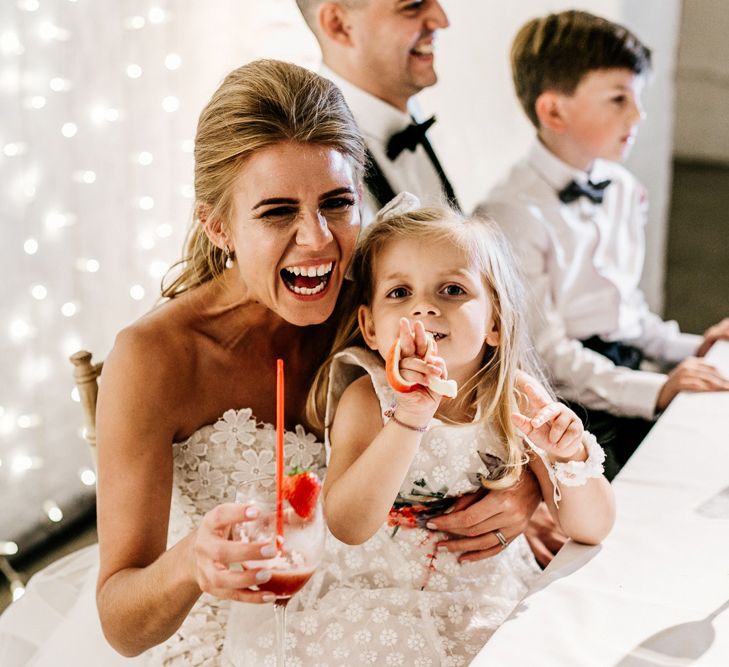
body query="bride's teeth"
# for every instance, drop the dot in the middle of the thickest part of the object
(321, 271)
(310, 271)
(309, 290)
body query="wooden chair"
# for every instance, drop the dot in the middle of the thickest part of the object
(86, 375)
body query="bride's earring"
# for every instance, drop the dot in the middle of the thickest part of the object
(228, 258)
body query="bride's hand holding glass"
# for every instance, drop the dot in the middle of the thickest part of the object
(215, 549)
(302, 528)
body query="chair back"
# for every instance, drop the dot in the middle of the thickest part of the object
(85, 375)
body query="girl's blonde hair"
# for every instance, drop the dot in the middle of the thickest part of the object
(492, 392)
(258, 105)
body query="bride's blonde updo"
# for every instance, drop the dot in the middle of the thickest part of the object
(258, 105)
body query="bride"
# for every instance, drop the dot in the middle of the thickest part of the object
(185, 407)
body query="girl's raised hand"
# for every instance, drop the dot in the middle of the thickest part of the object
(413, 339)
(413, 368)
(552, 426)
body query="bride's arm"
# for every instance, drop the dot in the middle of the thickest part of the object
(144, 591)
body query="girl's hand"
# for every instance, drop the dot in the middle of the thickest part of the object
(422, 402)
(214, 550)
(553, 426)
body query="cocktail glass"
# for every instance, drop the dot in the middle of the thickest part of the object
(299, 554)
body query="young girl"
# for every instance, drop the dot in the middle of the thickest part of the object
(397, 459)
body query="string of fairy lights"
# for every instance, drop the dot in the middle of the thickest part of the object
(98, 113)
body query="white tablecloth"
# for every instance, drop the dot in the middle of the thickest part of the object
(656, 592)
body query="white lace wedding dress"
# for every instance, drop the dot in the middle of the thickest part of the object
(395, 600)
(56, 623)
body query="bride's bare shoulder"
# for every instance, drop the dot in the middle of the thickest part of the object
(160, 344)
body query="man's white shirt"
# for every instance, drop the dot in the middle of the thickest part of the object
(583, 262)
(411, 171)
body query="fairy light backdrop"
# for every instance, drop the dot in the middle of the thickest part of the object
(98, 106)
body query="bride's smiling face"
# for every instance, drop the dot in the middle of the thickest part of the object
(293, 228)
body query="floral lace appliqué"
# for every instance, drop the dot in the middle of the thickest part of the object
(235, 427)
(300, 448)
(254, 465)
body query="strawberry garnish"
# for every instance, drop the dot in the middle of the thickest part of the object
(302, 491)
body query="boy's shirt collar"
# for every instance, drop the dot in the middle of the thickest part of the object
(558, 173)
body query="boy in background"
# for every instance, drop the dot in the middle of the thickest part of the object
(576, 220)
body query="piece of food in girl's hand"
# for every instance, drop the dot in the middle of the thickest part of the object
(302, 489)
(447, 388)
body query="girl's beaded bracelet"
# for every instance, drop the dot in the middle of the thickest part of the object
(390, 414)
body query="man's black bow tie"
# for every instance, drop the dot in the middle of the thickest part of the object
(574, 190)
(409, 138)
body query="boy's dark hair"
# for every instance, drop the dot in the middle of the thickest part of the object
(554, 53)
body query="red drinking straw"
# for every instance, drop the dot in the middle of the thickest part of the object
(279, 450)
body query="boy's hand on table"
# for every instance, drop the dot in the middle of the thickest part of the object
(692, 374)
(719, 331)
(476, 517)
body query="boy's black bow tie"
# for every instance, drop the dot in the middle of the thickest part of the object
(409, 138)
(574, 190)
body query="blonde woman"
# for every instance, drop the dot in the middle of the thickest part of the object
(188, 392)
(390, 593)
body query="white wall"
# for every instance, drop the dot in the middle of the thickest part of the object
(482, 129)
(657, 22)
(702, 88)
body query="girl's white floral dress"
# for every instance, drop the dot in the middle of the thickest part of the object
(56, 623)
(394, 600)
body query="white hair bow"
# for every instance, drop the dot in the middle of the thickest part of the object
(402, 203)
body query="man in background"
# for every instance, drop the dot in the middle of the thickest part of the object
(381, 53)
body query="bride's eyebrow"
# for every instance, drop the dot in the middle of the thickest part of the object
(346, 190)
(274, 200)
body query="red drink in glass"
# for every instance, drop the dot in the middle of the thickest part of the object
(285, 583)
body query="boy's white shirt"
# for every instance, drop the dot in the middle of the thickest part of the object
(583, 263)
(411, 171)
